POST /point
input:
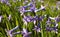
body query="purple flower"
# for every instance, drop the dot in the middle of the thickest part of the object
(10, 32)
(49, 28)
(38, 18)
(41, 18)
(55, 28)
(57, 19)
(1, 18)
(33, 8)
(30, 4)
(37, 28)
(48, 21)
(35, 18)
(23, 10)
(25, 33)
(38, 25)
(25, 7)
(52, 29)
(28, 18)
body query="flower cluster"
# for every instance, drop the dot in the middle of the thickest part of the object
(32, 6)
(55, 28)
(37, 20)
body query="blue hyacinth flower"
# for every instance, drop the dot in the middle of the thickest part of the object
(25, 33)
(37, 28)
(10, 32)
